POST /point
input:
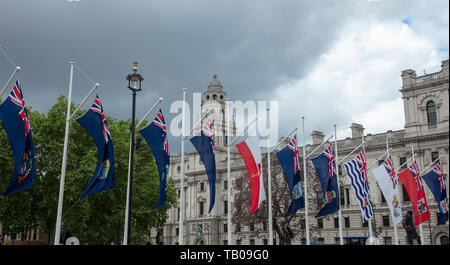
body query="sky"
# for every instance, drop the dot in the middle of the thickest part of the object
(334, 62)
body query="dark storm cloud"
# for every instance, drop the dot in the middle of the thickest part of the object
(253, 46)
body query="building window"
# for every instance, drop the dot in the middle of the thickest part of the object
(303, 241)
(265, 241)
(337, 240)
(388, 240)
(225, 207)
(238, 227)
(202, 186)
(336, 222)
(365, 224)
(431, 112)
(225, 184)
(320, 223)
(434, 156)
(201, 208)
(264, 226)
(403, 163)
(225, 242)
(178, 213)
(386, 221)
(238, 242)
(252, 242)
(347, 222)
(225, 228)
(341, 191)
(177, 231)
(380, 162)
(382, 197)
(444, 240)
(340, 170)
(252, 227)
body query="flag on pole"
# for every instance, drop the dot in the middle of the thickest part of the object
(94, 121)
(14, 116)
(385, 176)
(204, 144)
(412, 182)
(251, 154)
(325, 165)
(156, 136)
(289, 160)
(357, 172)
(436, 182)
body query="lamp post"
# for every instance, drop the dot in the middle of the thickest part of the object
(134, 84)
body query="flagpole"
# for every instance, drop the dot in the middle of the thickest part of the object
(127, 205)
(149, 112)
(369, 221)
(420, 226)
(305, 177)
(10, 80)
(84, 100)
(317, 148)
(395, 225)
(64, 161)
(229, 227)
(269, 177)
(432, 163)
(181, 228)
(341, 237)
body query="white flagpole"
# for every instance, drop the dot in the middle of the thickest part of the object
(127, 205)
(230, 242)
(181, 225)
(269, 182)
(341, 237)
(305, 177)
(11, 78)
(395, 225)
(420, 226)
(63, 167)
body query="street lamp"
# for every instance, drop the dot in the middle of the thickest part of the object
(134, 84)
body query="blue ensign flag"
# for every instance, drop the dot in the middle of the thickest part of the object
(156, 136)
(325, 165)
(436, 182)
(14, 116)
(288, 158)
(204, 144)
(94, 121)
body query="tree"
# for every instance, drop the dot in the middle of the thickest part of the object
(96, 219)
(280, 202)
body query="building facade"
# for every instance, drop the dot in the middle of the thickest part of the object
(426, 129)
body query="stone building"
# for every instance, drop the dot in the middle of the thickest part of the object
(426, 108)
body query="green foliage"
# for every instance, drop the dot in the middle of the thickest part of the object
(96, 219)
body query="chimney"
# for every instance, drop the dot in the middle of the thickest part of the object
(408, 78)
(317, 137)
(357, 130)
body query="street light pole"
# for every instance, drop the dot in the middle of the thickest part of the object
(134, 84)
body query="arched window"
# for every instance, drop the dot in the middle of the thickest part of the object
(444, 240)
(431, 112)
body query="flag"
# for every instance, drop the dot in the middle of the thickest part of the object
(204, 144)
(14, 116)
(385, 176)
(412, 182)
(156, 136)
(251, 154)
(94, 121)
(325, 165)
(288, 158)
(436, 182)
(357, 172)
